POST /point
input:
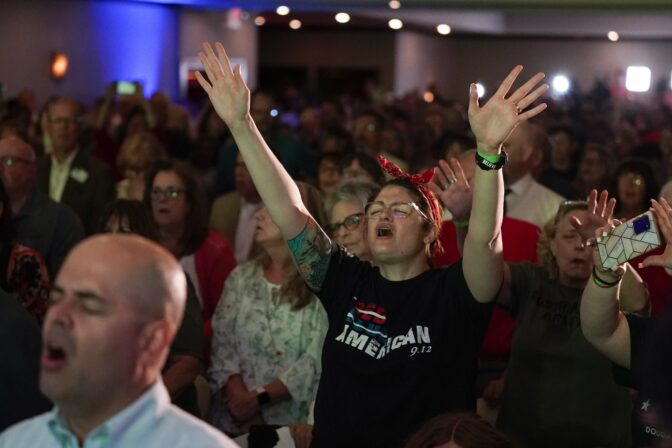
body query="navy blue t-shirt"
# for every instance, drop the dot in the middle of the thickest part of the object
(396, 353)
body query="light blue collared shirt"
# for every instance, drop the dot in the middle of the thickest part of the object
(150, 421)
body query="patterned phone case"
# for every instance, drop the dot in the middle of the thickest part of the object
(629, 240)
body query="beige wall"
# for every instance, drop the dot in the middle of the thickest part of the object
(197, 26)
(341, 48)
(455, 62)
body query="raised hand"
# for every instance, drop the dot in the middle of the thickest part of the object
(600, 213)
(492, 124)
(450, 185)
(663, 213)
(225, 87)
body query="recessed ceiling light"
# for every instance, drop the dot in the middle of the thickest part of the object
(480, 90)
(259, 20)
(638, 78)
(295, 24)
(282, 10)
(394, 4)
(342, 17)
(395, 24)
(443, 29)
(612, 36)
(561, 84)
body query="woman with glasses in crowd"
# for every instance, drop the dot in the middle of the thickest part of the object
(179, 209)
(345, 213)
(403, 338)
(556, 390)
(634, 185)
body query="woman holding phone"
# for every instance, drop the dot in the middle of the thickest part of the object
(403, 338)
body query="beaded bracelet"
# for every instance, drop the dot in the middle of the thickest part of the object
(601, 283)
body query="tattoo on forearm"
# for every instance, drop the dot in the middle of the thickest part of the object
(311, 250)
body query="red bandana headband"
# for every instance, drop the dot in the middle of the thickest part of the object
(419, 181)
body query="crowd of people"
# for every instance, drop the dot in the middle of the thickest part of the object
(275, 268)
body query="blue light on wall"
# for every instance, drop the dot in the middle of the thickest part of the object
(139, 42)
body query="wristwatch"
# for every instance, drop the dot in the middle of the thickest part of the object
(488, 165)
(263, 396)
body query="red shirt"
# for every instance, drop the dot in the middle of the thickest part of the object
(658, 282)
(214, 262)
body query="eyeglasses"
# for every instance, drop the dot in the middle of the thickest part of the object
(350, 223)
(170, 192)
(633, 179)
(400, 210)
(10, 161)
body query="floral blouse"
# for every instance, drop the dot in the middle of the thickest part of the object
(263, 340)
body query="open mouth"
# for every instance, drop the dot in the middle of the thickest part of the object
(54, 356)
(384, 231)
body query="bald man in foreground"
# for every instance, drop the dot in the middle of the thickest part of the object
(116, 306)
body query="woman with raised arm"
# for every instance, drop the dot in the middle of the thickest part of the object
(403, 338)
(627, 340)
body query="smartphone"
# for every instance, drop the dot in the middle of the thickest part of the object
(125, 88)
(629, 240)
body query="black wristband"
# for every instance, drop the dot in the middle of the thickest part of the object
(487, 165)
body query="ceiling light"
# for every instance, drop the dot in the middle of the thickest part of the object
(59, 65)
(259, 20)
(612, 36)
(638, 78)
(342, 17)
(282, 10)
(480, 90)
(560, 84)
(443, 29)
(428, 97)
(394, 4)
(295, 24)
(395, 24)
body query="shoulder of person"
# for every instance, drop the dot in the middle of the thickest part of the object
(30, 432)
(190, 431)
(525, 270)
(227, 199)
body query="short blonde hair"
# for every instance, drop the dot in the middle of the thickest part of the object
(544, 252)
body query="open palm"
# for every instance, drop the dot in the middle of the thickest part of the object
(493, 123)
(599, 214)
(225, 87)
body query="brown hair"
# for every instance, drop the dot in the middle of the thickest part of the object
(293, 289)
(140, 151)
(423, 203)
(544, 253)
(465, 429)
(196, 225)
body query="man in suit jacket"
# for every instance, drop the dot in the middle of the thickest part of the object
(41, 224)
(526, 199)
(233, 214)
(69, 174)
